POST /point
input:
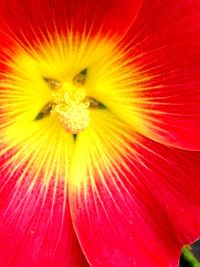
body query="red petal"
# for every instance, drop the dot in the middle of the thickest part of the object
(35, 224)
(35, 18)
(164, 45)
(139, 204)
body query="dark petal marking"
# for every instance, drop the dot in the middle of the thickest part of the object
(80, 78)
(44, 112)
(52, 84)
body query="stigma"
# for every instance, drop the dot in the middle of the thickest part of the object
(71, 108)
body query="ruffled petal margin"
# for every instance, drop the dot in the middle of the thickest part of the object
(136, 202)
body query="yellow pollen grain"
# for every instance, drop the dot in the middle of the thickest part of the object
(71, 109)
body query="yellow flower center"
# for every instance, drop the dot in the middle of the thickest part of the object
(61, 87)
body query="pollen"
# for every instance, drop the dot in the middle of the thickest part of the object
(72, 110)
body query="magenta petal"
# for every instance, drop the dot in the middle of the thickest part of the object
(35, 224)
(37, 18)
(163, 46)
(144, 208)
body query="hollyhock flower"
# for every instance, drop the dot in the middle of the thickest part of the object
(99, 132)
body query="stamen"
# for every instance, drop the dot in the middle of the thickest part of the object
(72, 110)
(74, 118)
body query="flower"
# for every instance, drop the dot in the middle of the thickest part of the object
(99, 132)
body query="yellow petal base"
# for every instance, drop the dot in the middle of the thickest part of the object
(63, 79)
